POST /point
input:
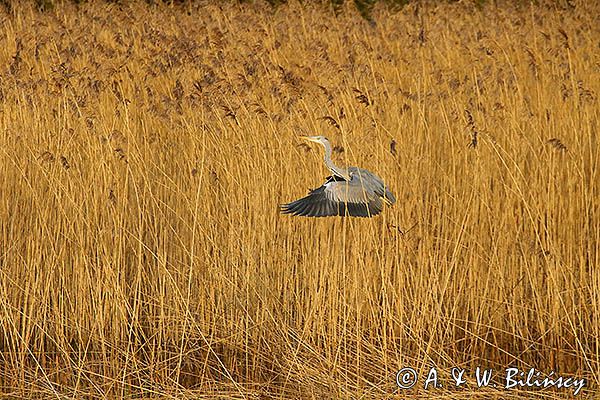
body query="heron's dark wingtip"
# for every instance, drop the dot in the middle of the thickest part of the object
(300, 208)
(292, 208)
(390, 198)
(304, 209)
(285, 208)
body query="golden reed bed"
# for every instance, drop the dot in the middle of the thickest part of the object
(144, 151)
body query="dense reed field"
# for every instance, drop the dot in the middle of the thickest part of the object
(144, 151)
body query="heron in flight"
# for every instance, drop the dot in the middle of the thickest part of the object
(348, 191)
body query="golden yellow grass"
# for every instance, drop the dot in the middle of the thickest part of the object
(144, 152)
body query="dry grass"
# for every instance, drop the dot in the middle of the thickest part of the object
(144, 152)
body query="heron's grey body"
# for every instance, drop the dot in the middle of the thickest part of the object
(349, 191)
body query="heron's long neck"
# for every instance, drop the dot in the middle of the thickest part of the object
(342, 172)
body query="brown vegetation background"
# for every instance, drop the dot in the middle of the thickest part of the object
(144, 151)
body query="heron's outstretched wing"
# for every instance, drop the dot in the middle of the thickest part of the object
(373, 183)
(337, 197)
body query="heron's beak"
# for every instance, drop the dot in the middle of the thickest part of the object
(309, 138)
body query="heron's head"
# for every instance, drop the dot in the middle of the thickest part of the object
(317, 139)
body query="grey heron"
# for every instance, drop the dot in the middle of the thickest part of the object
(348, 191)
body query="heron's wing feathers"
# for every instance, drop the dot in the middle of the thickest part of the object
(337, 198)
(359, 200)
(316, 204)
(374, 183)
(385, 193)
